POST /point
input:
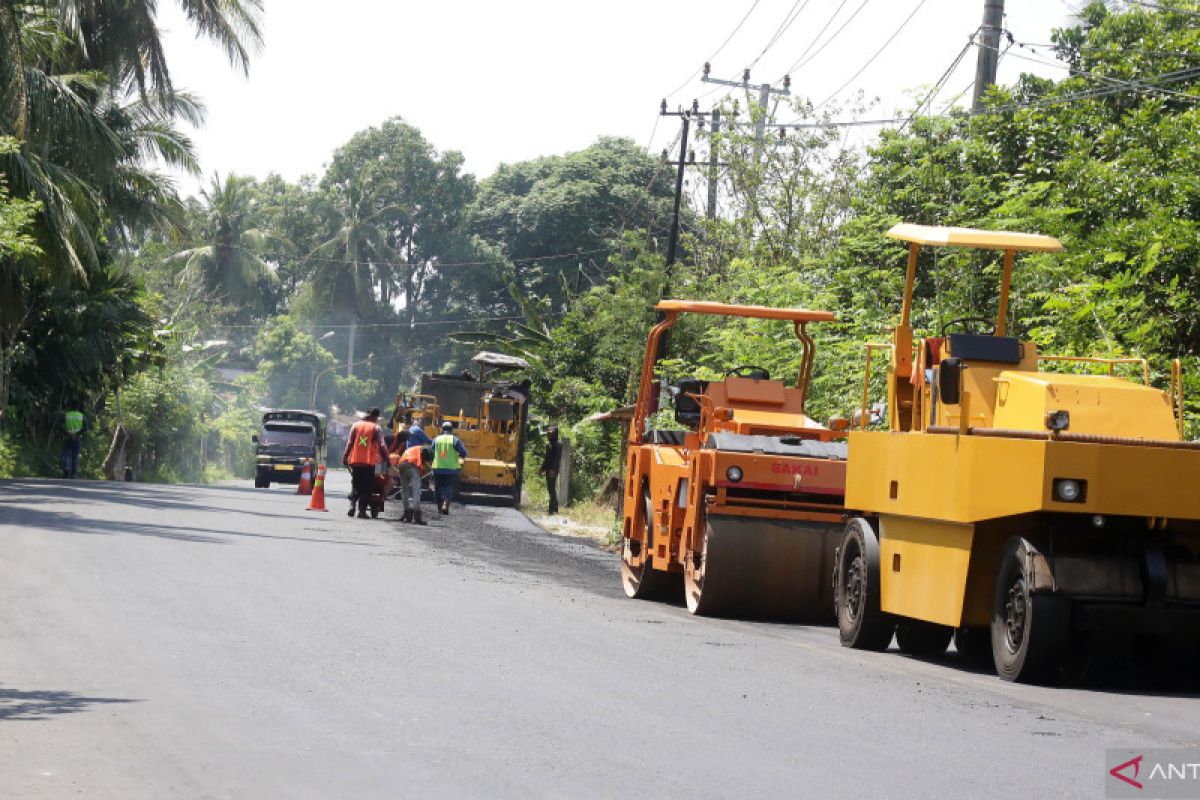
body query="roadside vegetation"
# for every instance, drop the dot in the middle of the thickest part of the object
(176, 318)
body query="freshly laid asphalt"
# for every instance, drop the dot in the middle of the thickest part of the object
(185, 641)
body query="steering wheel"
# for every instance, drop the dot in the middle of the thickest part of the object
(749, 371)
(968, 325)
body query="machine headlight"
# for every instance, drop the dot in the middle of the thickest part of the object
(1058, 420)
(1069, 490)
(734, 474)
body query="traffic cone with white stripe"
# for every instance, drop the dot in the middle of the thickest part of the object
(317, 503)
(305, 486)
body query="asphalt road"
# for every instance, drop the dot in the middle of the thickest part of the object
(222, 642)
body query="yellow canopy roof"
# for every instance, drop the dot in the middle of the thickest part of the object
(973, 237)
(754, 312)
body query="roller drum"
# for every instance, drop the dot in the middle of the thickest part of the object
(764, 569)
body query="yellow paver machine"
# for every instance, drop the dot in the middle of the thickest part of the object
(1013, 507)
(741, 509)
(490, 417)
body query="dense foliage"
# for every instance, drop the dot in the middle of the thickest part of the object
(338, 289)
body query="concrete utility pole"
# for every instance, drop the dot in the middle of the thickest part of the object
(989, 50)
(764, 96)
(713, 129)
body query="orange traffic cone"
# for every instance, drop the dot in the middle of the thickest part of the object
(305, 486)
(317, 503)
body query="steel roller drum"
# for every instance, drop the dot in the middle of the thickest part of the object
(765, 569)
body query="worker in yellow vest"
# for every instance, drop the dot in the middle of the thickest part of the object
(448, 453)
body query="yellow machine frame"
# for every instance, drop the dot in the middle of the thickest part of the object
(952, 486)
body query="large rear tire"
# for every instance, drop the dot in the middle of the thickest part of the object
(1030, 630)
(860, 618)
(642, 581)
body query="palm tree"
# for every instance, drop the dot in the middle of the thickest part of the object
(357, 255)
(230, 263)
(121, 38)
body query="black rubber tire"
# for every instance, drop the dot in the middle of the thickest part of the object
(1030, 630)
(917, 637)
(861, 622)
(647, 583)
(974, 645)
(374, 513)
(258, 482)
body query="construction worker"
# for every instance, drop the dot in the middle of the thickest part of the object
(448, 453)
(551, 463)
(417, 434)
(413, 463)
(364, 449)
(73, 427)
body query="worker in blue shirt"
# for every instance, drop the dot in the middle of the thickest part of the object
(417, 435)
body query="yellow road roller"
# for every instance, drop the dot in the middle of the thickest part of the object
(1014, 503)
(738, 504)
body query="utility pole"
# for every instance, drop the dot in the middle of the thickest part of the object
(714, 128)
(764, 96)
(989, 50)
(685, 158)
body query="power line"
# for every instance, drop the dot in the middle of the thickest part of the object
(941, 82)
(1160, 7)
(788, 19)
(1076, 72)
(717, 52)
(878, 53)
(802, 60)
(435, 264)
(362, 325)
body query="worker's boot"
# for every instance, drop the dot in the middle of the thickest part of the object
(407, 516)
(350, 513)
(417, 518)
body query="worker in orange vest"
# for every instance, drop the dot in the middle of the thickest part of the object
(413, 462)
(364, 449)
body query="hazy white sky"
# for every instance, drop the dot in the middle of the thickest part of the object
(509, 80)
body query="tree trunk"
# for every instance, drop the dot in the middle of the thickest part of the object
(350, 357)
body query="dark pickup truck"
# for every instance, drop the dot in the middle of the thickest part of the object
(285, 439)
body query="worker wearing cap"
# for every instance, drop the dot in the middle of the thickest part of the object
(414, 461)
(417, 434)
(365, 448)
(448, 453)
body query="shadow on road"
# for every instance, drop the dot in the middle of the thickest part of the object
(66, 522)
(146, 495)
(31, 706)
(1149, 671)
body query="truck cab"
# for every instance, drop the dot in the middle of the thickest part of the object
(286, 439)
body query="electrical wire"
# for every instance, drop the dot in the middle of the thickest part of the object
(1160, 7)
(1133, 84)
(878, 53)
(788, 19)
(717, 52)
(941, 82)
(803, 60)
(435, 264)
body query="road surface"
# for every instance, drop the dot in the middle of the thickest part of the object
(221, 642)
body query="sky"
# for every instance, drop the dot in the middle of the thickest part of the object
(513, 80)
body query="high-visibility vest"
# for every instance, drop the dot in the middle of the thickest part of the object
(74, 423)
(364, 450)
(412, 456)
(445, 455)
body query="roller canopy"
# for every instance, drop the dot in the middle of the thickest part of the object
(753, 312)
(973, 237)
